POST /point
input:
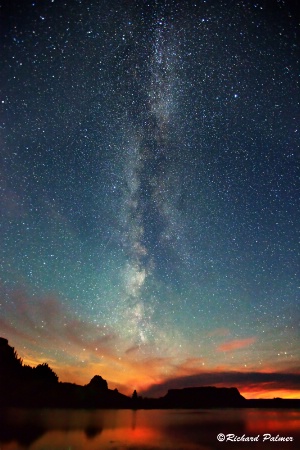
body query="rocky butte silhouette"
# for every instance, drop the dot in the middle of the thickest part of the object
(206, 396)
(25, 386)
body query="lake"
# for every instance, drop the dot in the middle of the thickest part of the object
(53, 429)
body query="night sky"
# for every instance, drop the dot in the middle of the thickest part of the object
(150, 191)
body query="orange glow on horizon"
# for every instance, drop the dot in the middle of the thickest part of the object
(140, 378)
(130, 374)
(270, 394)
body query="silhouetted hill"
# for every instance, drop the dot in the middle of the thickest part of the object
(22, 385)
(203, 397)
(26, 386)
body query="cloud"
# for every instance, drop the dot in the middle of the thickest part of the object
(133, 349)
(188, 366)
(242, 380)
(236, 344)
(44, 326)
(43, 329)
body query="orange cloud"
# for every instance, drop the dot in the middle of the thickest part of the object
(236, 344)
(188, 366)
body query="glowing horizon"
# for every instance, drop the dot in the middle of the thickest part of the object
(138, 377)
(149, 205)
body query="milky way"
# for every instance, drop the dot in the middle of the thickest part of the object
(149, 173)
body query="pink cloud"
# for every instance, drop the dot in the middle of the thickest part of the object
(236, 344)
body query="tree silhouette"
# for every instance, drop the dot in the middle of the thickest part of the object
(10, 363)
(44, 373)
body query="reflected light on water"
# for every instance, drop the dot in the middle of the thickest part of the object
(109, 439)
(273, 421)
(143, 430)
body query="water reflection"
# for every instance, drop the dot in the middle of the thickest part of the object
(155, 429)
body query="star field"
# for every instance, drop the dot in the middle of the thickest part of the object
(150, 188)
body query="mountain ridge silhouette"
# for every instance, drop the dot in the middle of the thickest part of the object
(39, 387)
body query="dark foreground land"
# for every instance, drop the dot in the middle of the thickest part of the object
(24, 386)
